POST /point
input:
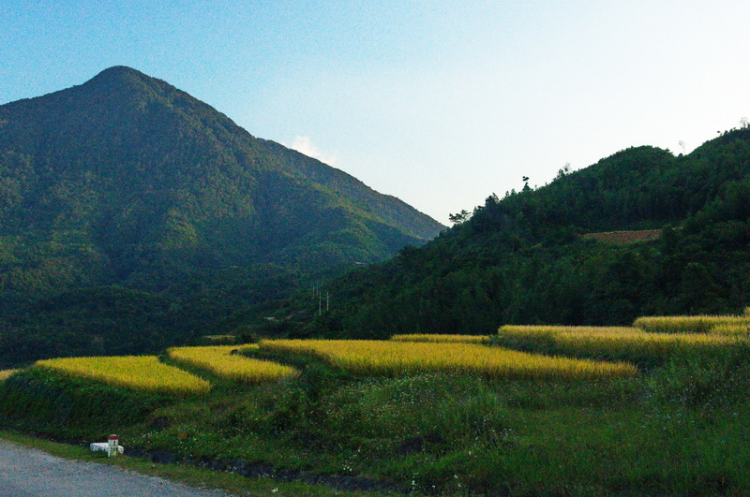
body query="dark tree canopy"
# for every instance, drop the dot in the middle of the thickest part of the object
(523, 259)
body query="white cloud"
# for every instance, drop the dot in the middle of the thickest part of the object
(304, 145)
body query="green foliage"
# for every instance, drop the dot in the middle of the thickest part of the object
(521, 259)
(707, 381)
(101, 321)
(37, 399)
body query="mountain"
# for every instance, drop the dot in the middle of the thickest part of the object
(526, 259)
(127, 186)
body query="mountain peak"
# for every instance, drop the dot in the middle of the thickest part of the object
(119, 78)
(118, 70)
(119, 73)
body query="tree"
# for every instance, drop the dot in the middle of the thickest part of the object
(459, 217)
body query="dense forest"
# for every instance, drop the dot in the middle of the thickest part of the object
(523, 259)
(133, 215)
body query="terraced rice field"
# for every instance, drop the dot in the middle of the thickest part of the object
(379, 358)
(4, 375)
(731, 329)
(220, 361)
(687, 324)
(441, 338)
(613, 340)
(136, 372)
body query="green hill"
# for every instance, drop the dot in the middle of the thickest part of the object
(126, 184)
(523, 258)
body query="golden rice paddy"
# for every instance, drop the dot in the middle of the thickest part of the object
(731, 329)
(4, 375)
(614, 340)
(441, 338)
(220, 361)
(686, 324)
(135, 372)
(386, 358)
(581, 330)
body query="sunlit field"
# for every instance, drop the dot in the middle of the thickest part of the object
(220, 361)
(731, 329)
(6, 373)
(441, 338)
(136, 372)
(439, 417)
(686, 324)
(580, 330)
(613, 340)
(376, 358)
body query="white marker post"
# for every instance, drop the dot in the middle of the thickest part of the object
(113, 442)
(112, 446)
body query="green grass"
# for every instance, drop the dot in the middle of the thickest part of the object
(191, 476)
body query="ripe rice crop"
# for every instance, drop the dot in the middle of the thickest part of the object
(441, 338)
(686, 324)
(616, 341)
(386, 358)
(136, 372)
(583, 330)
(4, 375)
(731, 329)
(220, 361)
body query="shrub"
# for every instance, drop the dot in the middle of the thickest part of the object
(48, 401)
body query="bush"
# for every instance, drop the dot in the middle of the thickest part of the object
(41, 400)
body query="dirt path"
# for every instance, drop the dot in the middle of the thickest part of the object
(28, 472)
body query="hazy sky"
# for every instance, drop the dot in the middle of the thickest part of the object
(438, 102)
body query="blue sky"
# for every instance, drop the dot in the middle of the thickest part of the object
(439, 102)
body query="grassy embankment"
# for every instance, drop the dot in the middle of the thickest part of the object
(675, 429)
(195, 477)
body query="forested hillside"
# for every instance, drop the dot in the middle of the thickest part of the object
(132, 215)
(523, 259)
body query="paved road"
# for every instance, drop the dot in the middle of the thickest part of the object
(28, 472)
